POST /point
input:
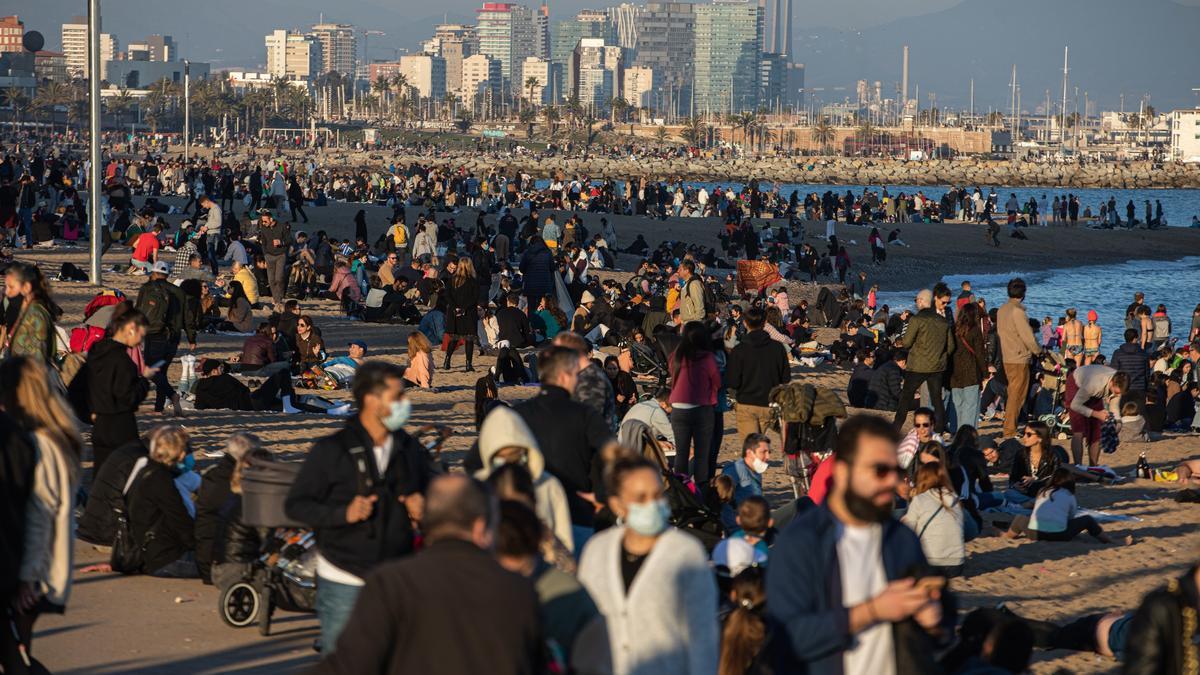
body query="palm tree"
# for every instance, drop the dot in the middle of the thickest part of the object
(400, 85)
(18, 101)
(550, 117)
(531, 83)
(823, 133)
(381, 87)
(463, 121)
(660, 135)
(616, 108)
(120, 104)
(49, 98)
(695, 131)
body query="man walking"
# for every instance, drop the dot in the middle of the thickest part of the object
(691, 296)
(1017, 346)
(212, 238)
(845, 575)
(930, 342)
(167, 317)
(360, 490)
(757, 365)
(409, 618)
(275, 238)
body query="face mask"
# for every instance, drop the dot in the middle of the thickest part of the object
(759, 466)
(398, 417)
(648, 519)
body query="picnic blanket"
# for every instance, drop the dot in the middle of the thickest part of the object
(755, 275)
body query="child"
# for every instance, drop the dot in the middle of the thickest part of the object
(719, 498)
(1132, 425)
(754, 523)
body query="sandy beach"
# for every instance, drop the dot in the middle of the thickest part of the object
(105, 629)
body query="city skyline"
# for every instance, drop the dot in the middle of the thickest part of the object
(834, 59)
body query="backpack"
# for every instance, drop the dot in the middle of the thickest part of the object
(128, 555)
(155, 302)
(710, 298)
(83, 337)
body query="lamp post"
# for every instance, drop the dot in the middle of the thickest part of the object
(187, 110)
(97, 172)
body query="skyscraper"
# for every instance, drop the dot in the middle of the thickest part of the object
(666, 43)
(587, 24)
(293, 56)
(728, 51)
(626, 19)
(339, 47)
(506, 34)
(541, 32)
(453, 42)
(777, 26)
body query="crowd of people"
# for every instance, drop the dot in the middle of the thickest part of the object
(591, 527)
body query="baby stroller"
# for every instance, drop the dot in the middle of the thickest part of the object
(283, 577)
(1054, 381)
(648, 369)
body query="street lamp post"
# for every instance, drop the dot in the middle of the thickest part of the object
(187, 109)
(97, 172)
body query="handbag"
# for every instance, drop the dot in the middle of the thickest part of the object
(927, 522)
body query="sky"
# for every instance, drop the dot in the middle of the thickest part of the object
(1119, 47)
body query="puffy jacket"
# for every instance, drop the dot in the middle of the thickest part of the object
(885, 386)
(1134, 362)
(756, 366)
(258, 350)
(98, 523)
(1017, 343)
(930, 342)
(537, 269)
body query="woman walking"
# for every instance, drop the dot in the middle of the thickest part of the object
(116, 386)
(651, 582)
(32, 333)
(462, 313)
(695, 379)
(45, 572)
(968, 367)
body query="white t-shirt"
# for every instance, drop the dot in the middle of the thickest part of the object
(326, 569)
(860, 560)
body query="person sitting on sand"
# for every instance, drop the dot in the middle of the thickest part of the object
(338, 372)
(1133, 425)
(1055, 516)
(218, 390)
(1033, 466)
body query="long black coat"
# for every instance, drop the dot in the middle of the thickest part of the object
(462, 303)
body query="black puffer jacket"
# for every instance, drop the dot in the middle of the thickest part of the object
(98, 523)
(1158, 643)
(214, 493)
(884, 390)
(158, 518)
(1134, 362)
(235, 541)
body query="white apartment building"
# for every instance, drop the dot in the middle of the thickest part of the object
(480, 73)
(426, 74)
(293, 56)
(339, 47)
(637, 85)
(1185, 135)
(75, 47)
(538, 69)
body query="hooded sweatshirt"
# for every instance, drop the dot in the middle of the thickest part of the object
(504, 428)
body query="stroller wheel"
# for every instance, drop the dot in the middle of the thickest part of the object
(264, 614)
(240, 604)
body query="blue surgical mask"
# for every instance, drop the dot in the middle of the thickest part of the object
(650, 518)
(398, 417)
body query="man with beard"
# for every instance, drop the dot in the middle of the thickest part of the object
(848, 588)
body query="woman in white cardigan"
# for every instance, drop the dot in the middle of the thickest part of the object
(651, 582)
(45, 572)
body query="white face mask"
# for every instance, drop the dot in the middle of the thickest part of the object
(759, 466)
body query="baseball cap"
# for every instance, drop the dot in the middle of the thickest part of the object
(161, 267)
(734, 555)
(358, 343)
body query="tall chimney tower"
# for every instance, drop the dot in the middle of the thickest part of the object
(904, 81)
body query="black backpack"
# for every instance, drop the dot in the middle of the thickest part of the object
(155, 302)
(128, 555)
(710, 298)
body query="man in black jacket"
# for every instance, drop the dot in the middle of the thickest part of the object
(275, 238)
(1132, 360)
(884, 391)
(409, 618)
(358, 490)
(513, 323)
(757, 365)
(165, 326)
(858, 392)
(572, 435)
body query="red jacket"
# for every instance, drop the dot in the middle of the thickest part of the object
(695, 382)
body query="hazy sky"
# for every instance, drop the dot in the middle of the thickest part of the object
(1130, 47)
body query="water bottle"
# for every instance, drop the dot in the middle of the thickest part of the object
(1143, 467)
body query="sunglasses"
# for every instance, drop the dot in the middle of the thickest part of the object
(1031, 433)
(922, 425)
(883, 470)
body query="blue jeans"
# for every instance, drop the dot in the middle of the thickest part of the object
(581, 534)
(145, 265)
(966, 406)
(26, 216)
(334, 603)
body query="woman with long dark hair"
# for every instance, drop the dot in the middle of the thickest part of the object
(32, 331)
(116, 386)
(1034, 465)
(968, 366)
(549, 319)
(744, 634)
(462, 312)
(695, 379)
(240, 316)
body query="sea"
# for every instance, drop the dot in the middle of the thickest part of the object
(1108, 289)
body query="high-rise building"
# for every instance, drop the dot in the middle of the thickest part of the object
(50, 66)
(426, 74)
(793, 92)
(481, 76)
(293, 56)
(453, 42)
(541, 31)
(587, 24)
(12, 30)
(506, 34)
(777, 26)
(161, 48)
(75, 47)
(772, 80)
(538, 69)
(666, 43)
(625, 19)
(339, 47)
(728, 55)
(594, 89)
(636, 86)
